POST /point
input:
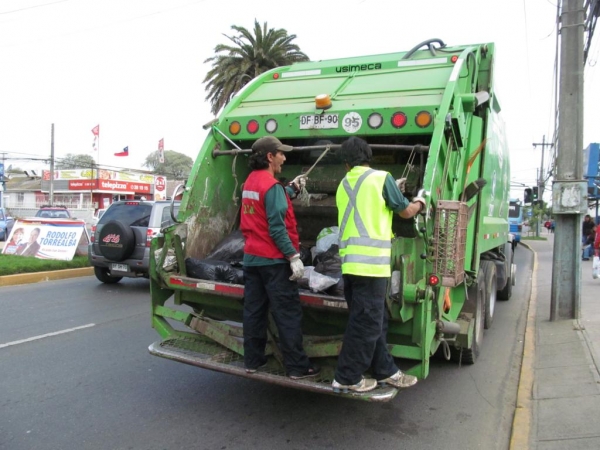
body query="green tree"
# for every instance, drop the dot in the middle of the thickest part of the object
(71, 161)
(250, 55)
(176, 165)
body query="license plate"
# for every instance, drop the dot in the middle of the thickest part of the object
(319, 121)
(120, 267)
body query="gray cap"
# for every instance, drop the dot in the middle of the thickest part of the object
(269, 144)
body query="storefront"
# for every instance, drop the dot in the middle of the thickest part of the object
(99, 188)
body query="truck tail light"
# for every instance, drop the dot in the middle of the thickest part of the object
(150, 233)
(375, 120)
(271, 126)
(235, 128)
(433, 280)
(398, 120)
(252, 126)
(423, 119)
(93, 234)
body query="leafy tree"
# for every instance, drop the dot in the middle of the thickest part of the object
(250, 55)
(71, 161)
(176, 165)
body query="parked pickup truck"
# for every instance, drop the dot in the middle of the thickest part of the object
(6, 224)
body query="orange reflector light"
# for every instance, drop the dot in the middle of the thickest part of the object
(252, 126)
(375, 120)
(235, 128)
(398, 120)
(454, 58)
(433, 280)
(323, 101)
(275, 76)
(423, 119)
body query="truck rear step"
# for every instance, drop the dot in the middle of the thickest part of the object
(209, 355)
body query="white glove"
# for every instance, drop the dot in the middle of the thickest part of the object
(401, 183)
(299, 182)
(297, 267)
(420, 200)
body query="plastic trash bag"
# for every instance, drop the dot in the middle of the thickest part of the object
(326, 238)
(230, 249)
(214, 270)
(316, 281)
(596, 267)
(330, 263)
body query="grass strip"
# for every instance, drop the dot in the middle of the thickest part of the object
(11, 264)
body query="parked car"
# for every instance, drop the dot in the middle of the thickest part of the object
(6, 224)
(120, 242)
(53, 212)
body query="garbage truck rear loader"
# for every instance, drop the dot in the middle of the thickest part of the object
(430, 115)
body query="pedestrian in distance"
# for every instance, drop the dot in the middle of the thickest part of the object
(552, 225)
(366, 200)
(272, 261)
(587, 227)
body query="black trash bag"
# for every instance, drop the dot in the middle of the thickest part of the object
(213, 269)
(330, 263)
(305, 256)
(230, 249)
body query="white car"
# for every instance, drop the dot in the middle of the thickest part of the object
(97, 215)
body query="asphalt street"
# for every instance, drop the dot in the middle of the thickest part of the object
(75, 373)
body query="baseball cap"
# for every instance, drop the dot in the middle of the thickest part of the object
(269, 144)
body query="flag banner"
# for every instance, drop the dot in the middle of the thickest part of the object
(125, 152)
(96, 132)
(161, 151)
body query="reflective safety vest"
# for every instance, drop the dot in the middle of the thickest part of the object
(365, 223)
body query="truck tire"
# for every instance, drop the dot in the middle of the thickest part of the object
(505, 293)
(470, 354)
(103, 275)
(491, 290)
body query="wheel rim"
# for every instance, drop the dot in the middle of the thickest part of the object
(493, 299)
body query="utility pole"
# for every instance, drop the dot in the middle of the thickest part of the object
(569, 187)
(541, 183)
(52, 166)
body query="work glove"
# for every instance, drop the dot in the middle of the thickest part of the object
(299, 182)
(420, 200)
(297, 267)
(401, 183)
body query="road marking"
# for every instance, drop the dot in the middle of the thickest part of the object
(42, 336)
(521, 427)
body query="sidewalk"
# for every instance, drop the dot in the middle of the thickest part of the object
(564, 393)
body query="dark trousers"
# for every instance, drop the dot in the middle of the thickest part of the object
(269, 287)
(365, 343)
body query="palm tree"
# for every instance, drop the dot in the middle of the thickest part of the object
(252, 54)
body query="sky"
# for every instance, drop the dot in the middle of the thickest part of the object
(135, 67)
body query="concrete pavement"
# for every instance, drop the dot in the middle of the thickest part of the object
(558, 403)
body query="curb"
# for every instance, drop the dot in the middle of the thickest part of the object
(36, 277)
(521, 428)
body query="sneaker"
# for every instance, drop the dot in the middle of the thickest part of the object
(312, 371)
(400, 380)
(364, 385)
(262, 366)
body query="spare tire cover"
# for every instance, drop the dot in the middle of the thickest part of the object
(116, 241)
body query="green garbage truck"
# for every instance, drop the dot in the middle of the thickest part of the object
(431, 115)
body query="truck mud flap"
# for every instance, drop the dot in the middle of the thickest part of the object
(209, 355)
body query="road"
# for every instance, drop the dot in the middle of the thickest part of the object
(94, 385)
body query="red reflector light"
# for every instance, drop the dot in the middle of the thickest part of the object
(398, 120)
(93, 233)
(454, 58)
(433, 280)
(275, 76)
(252, 126)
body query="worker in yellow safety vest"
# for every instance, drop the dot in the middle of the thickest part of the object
(367, 199)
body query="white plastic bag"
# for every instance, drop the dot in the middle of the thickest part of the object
(596, 267)
(326, 238)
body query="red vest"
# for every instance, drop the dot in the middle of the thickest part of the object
(254, 224)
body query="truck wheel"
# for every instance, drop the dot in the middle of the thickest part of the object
(505, 293)
(491, 289)
(103, 275)
(470, 354)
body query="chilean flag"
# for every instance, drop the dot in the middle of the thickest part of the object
(125, 152)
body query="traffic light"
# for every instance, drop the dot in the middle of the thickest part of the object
(535, 193)
(528, 196)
